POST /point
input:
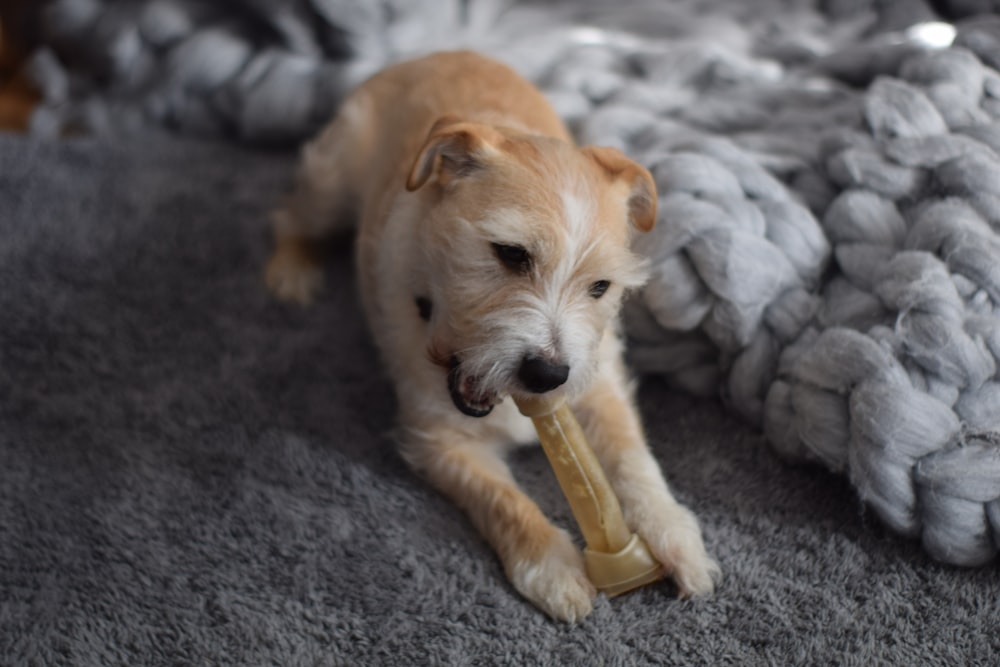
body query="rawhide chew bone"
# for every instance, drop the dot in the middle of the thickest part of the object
(616, 559)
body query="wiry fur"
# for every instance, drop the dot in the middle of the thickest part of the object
(439, 159)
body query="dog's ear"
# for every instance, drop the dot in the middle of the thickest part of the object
(453, 149)
(642, 188)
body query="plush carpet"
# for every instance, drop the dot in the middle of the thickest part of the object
(192, 473)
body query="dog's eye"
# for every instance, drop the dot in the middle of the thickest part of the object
(514, 257)
(598, 289)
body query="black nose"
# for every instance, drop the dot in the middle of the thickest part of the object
(539, 376)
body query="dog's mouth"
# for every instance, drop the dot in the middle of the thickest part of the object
(467, 394)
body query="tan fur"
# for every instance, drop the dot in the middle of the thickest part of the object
(438, 159)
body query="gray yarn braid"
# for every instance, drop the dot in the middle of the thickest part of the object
(900, 389)
(883, 367)
(259, 70)
(826, 258)
(266, 71)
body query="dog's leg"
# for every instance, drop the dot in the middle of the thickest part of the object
(613, 428)
(321, 204)
(540, 559)
(294, 272)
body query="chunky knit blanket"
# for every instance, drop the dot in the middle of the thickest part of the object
(827, 256)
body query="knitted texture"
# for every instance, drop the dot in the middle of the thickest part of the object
(826, 258)
(273, 72)
(262, 72)
(895, 383)
(884, 366)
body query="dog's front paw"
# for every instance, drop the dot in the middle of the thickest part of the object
(293, 278)
(675, 540)
(556, 582)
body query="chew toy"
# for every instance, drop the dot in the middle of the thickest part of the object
(616, 559)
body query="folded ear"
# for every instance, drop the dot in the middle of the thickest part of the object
(453, 148)
(642, 188)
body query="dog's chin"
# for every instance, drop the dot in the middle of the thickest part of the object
(466, 393)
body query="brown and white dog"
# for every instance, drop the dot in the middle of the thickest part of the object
(492, 257)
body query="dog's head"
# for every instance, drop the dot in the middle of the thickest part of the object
(528, 255)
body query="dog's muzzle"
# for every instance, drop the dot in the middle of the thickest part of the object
(466, 393)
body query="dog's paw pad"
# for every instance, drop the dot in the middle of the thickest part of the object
(557, 582)
(294, 280)
(677, 543)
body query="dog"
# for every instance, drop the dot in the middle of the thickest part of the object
(493, 255)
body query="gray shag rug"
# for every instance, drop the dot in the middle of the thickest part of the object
(192, 473)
